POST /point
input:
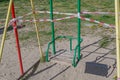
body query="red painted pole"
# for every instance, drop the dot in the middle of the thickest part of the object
(17, 39)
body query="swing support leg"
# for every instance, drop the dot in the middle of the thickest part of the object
(42, 57)
(17, 38)
(5, 29)
(117, 10)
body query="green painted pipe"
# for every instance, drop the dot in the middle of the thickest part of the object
(52, 26)
(79, 27)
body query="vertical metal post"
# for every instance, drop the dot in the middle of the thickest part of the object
(52, 26)
(117, 10)
(5, 30)
(79, 26)
(42, 57)
(70, 44)
(17, 39)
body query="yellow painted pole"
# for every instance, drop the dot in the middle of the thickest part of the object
(5, 29)
(117, 10)
(42, 57)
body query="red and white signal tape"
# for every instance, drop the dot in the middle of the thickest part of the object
(98, 22)
(98, 13)
(15, 19)
(84, 12)
(48, 12)
(19, 19)
(72, 15)
(45, 20)
(62, 13)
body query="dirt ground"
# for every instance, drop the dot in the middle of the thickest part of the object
(96, 64)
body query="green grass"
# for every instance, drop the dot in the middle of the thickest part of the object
(67, 26)
(23, 6)
(104, 42)
(31, 35)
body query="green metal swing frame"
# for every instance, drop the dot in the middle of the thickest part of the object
(77, 50)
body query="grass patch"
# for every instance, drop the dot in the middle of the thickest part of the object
(104, 42)
(25, 37)
(23, 7)
(7, 37)
(63, 6)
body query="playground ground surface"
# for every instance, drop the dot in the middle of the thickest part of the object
(103, 69)
(98, 43)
